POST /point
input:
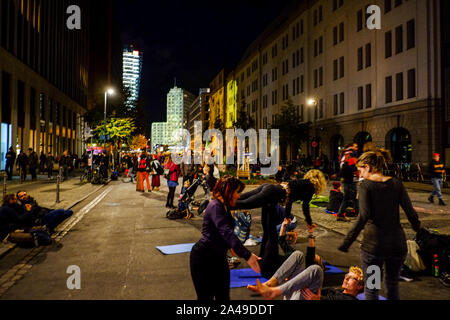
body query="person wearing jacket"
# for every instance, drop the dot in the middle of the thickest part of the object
(33, 163)
(65, 162)
(22, 163)
(172, 181)
(208, 260)
(156, 180)
(437, 172)
(384, 241)
(49, 161)
(348, 172)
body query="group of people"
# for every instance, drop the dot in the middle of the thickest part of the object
(20, 211)
(292, 274)
(33, 164)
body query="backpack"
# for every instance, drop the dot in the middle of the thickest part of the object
(175, 214)
(433, 243)
(158, 167)
(413, 260)
(143, 164)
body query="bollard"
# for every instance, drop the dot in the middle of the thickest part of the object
(58, 181)
(4, 185)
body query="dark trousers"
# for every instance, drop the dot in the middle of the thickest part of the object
(50, 171)
(393, 266)
(33, 172)
(349, 197)
(265, 194)
(170, 197)
(210, 274)
(23, 173)
(9, 169)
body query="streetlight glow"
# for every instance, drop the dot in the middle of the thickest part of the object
(110, 91)
(312, 102)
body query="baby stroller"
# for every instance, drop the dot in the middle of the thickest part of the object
(184, 209)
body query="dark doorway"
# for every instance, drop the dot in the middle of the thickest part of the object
(361, 139)
(398, 140)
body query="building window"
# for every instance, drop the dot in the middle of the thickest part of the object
(302, 57)
(368, 55)
(341, 32)
(274, 97)
(248, 72)
(360, 58)
(387, 6)
(410, 34)
(360, 98)
(274, 50)
(411, 83)
(341, 66)
(335, 5)
(359, 20)
(316, 47)
(335, 104)
(315, 18)
(397, 3)
(342, 98)
(388, 44)
(248, 91)
(335, 36)
(275, 74)
(389, 89)
(399, 86)
(301, 26)
(321, 45)
(264, 59)
(264, 101)
(398, 39)
(320, 14)
(320, 76)
(368, 96)
(302, 88)
(315, 78)
(321, 109)
(335, 69)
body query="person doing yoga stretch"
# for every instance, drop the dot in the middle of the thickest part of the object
(267, 197)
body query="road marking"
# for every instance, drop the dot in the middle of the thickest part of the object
(17, 272)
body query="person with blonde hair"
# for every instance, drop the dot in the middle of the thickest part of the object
(267, 197)
(384, 241)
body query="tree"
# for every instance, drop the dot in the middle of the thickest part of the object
(119, 130)
(218, 124)
(292, 131)
(138, 142)
(244, 121)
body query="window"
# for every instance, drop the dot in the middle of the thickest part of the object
(302, 88)
(360, 58)
(320, 76)
(342, 101)
(398, 39)
(301, 55)
(315, 78)
(398, 2)
(264, 59)
(368, 55)
(341, 32)
(298, 85)
(274, 51)
(399, 86)
(315, 17)
(321, 45)
(368, 96)
(275, 74)
(320, 14)
(410, 34)
(411, 83)
(388, 44)
(389, 89)
(360, 98)
(264, 105)
(285, 92)
(334, 5)
(248, 72)
(335, 36)
(301, 26)
(248, 91)
(387, 6)
(335, 104)
(242, 77)
(359, 20)
(316, 47)
(341, 66)
(320, 108)
(335, 69)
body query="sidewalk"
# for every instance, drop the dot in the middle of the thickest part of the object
(423, 187)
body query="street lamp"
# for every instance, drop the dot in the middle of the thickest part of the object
(107, 92)
(313, 103)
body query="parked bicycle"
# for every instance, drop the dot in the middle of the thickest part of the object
(86, 175)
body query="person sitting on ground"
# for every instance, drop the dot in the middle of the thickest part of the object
(12, 216)
(295, 282)
(291, 234)
(40, 215)
(336, 198)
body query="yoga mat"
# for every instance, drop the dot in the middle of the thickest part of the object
(176, 249)
(242, 277)
(330, 269)
(361, 296)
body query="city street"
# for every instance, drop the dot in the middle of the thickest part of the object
(112, 238)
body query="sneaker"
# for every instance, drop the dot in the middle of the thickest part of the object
(430, 198)
(344, 219)
(441, 202)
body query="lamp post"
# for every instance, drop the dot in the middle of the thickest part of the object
(313, 102)
(110, 92)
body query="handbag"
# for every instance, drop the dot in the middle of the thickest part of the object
(243, 222)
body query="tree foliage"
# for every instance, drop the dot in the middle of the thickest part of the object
(118, 129)
(244, 121)
(138, 142)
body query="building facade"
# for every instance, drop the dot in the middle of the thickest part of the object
(217, 101)
(132, 71)
(381, 86)
(199, 111)
(43, 77)
(159, 130)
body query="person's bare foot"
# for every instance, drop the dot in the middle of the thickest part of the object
(252, 288)
(266, 291)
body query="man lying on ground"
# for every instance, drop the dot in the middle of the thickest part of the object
(295, 282)
(42, 216)
(12, 216)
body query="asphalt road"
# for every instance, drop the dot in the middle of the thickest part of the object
(112, 238)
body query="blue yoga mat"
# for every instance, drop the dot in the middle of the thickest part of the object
(176, 249)
(330, 269)
(361, 296)
(242, 277)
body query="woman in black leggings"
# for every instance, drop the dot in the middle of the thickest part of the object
(267, 197)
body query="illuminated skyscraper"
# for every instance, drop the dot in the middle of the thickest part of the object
(132, 68)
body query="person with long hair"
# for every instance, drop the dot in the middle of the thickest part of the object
(209, 265)
(267, 196)
(172, 180)
(384, 242)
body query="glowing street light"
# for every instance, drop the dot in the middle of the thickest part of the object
(110, 92)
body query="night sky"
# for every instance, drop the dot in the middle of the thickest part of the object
(189, 40)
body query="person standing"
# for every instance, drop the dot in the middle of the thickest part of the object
(187, 171)
(348, 172)
(156, 180)
(22, 163)
(437, 172)
(208, 260)
(49, 161)
(42, 162)
(10, 159)
(144, 171)
(172, 181)
(384, 240)
(65, 162)
(33, 163)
